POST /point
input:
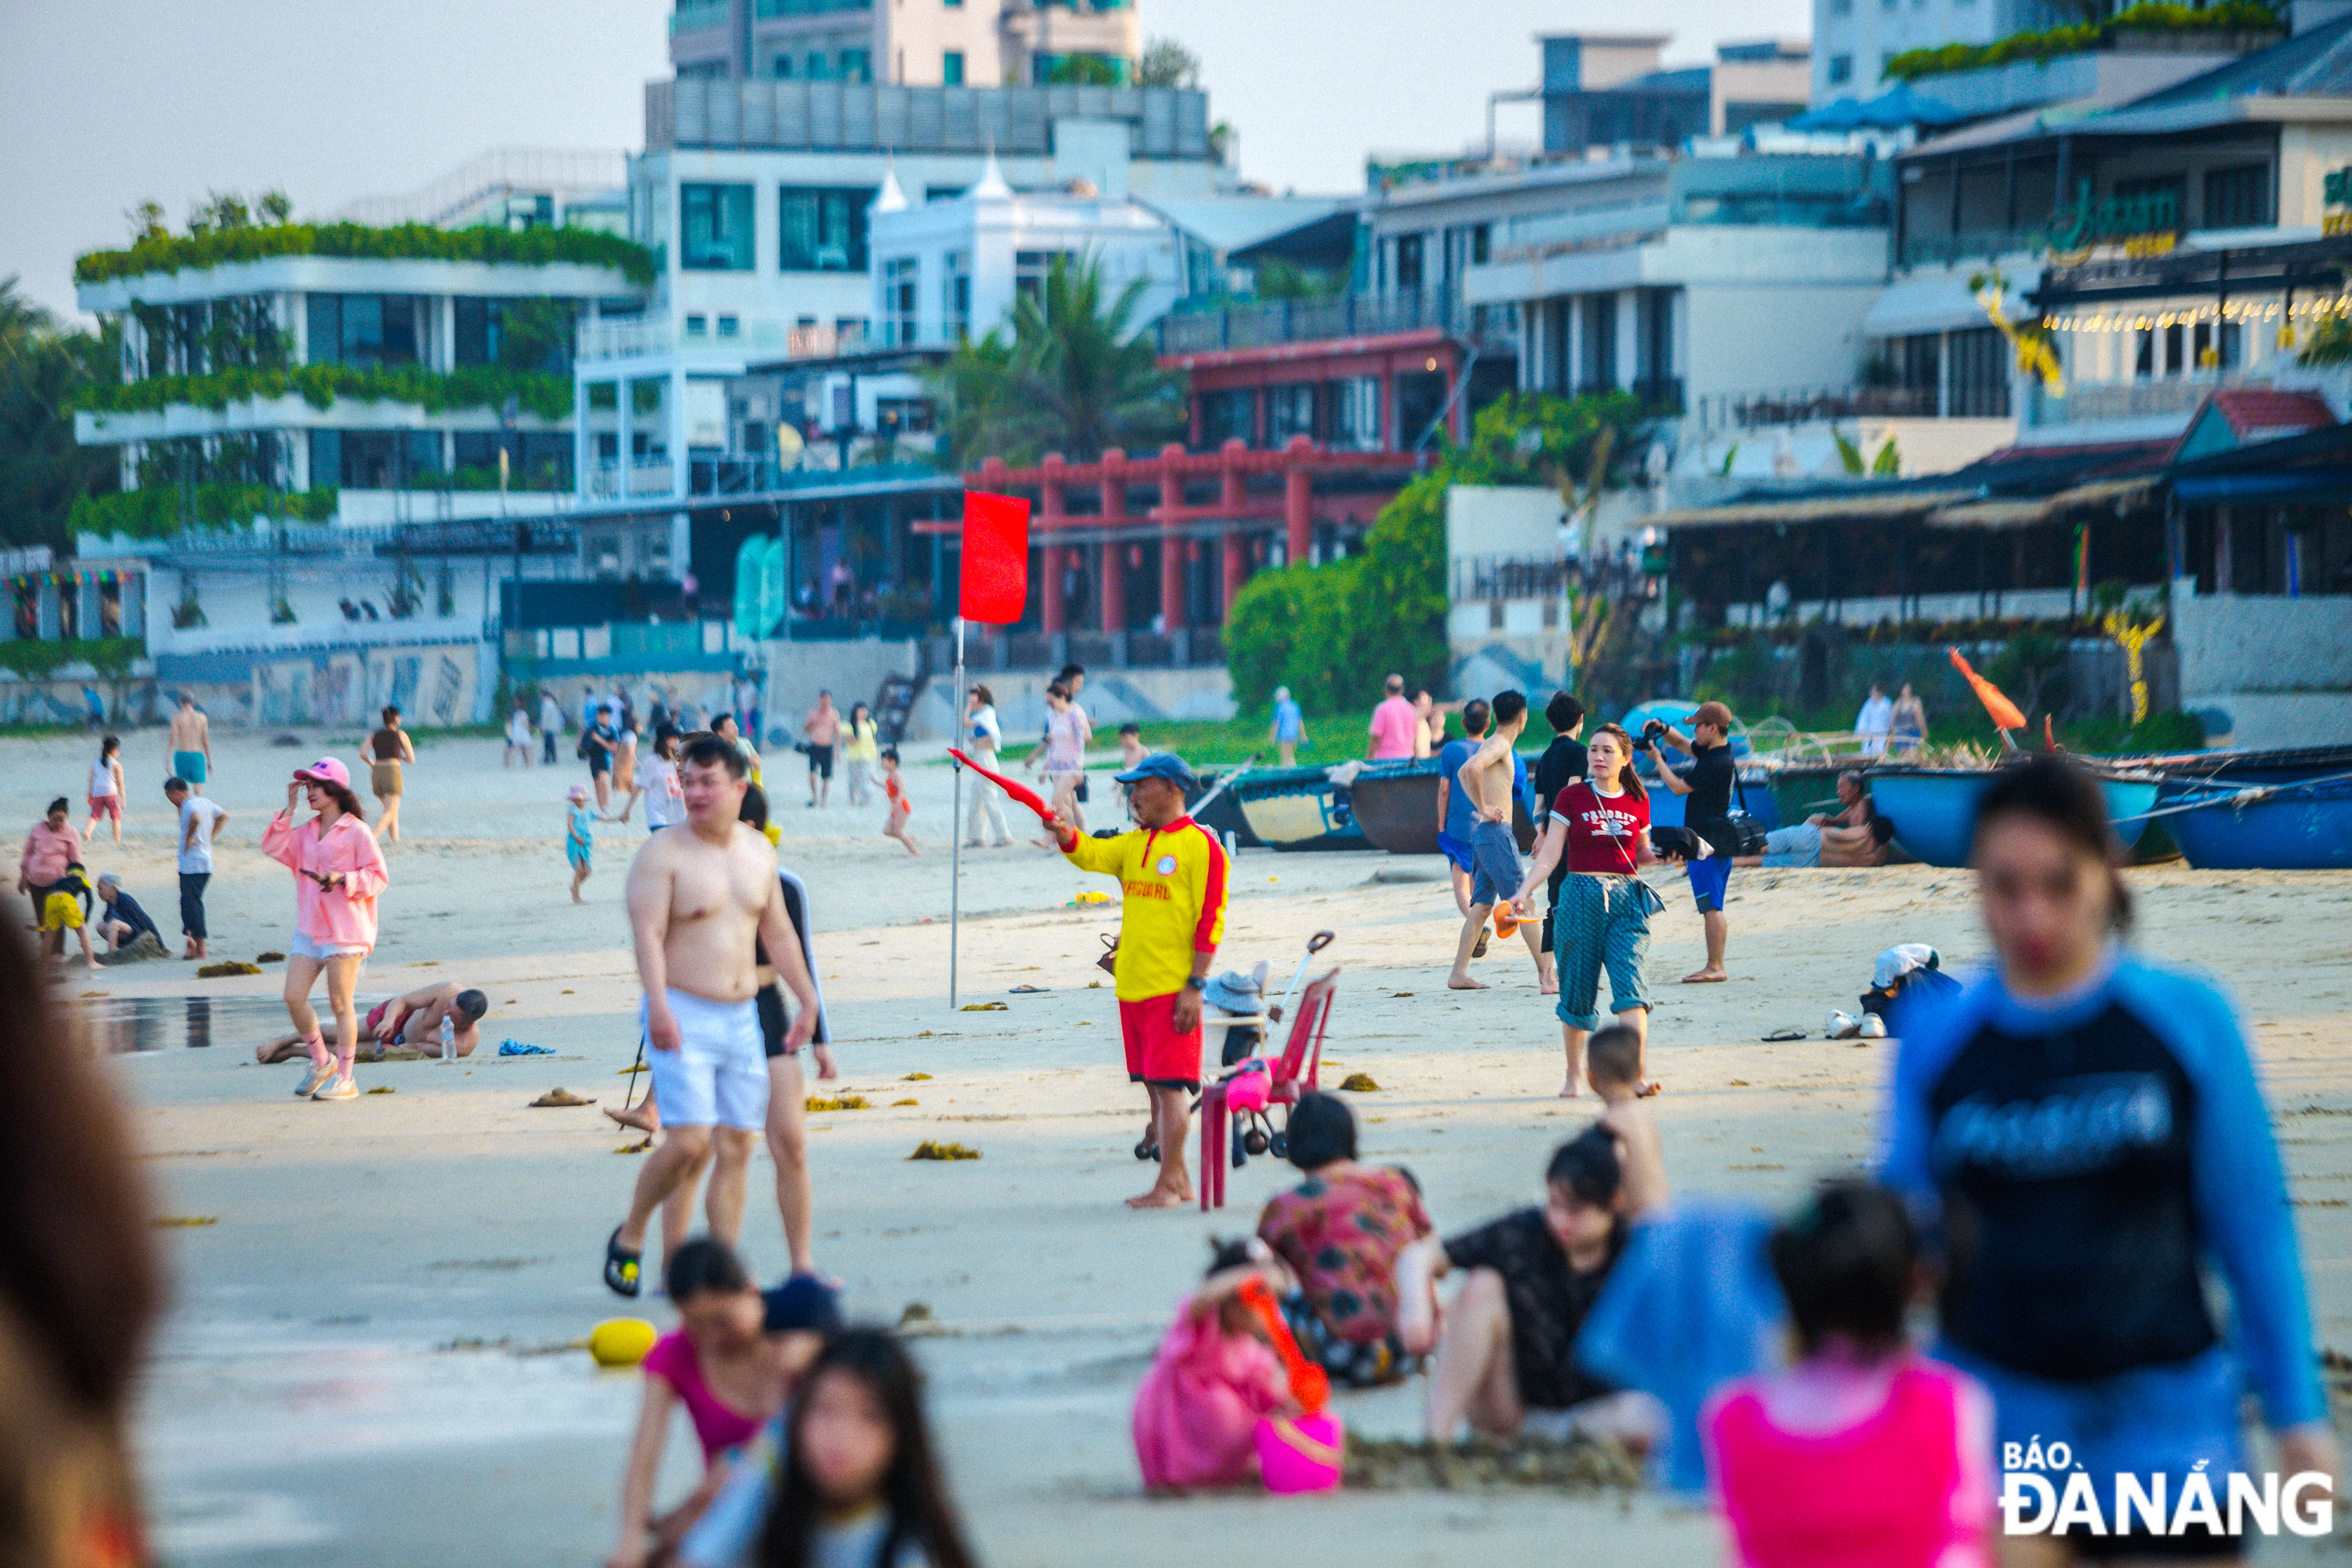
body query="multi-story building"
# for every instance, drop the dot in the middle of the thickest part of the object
(1854, 39)
(1612, 89)
(908, 43)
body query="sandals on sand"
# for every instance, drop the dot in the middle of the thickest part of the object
(622, 1267)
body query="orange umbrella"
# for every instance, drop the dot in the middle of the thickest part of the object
(2004, 712)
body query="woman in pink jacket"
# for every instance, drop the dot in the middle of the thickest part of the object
(338, 872)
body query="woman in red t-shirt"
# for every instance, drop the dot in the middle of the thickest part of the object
(1602, 825)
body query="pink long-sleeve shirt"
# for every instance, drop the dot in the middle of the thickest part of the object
(342, 916)
(47, 852)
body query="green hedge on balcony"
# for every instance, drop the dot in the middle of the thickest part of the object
(2157, 15)
(406, 242)
(435, 391)
(155, 512)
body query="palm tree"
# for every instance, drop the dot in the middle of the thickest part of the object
(1076, 378)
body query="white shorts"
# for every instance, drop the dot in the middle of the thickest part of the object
(303, 947)
(719, 1075)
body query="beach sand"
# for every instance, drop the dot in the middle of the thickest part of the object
(367, 1359)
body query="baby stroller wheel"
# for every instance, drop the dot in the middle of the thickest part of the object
(1145, 1149)
(1279, 1145)
(1254, 1141)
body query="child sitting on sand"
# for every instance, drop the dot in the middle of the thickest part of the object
(1214, 1378)
(1864, 1452)
(901, 809)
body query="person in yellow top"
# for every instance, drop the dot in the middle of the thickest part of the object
(860, 749)
(1172, 871)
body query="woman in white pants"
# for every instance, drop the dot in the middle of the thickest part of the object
(981, 735)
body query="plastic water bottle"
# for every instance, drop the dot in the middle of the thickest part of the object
(448, 1039)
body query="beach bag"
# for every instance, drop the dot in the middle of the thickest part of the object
(1301, 1453)
(1748, 834)
(1108, 961)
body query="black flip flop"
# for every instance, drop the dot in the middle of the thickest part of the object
(1778, 1035)
(622, 1267)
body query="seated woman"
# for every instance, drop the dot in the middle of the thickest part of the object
(1340, 1232)
(1809, 845)
(1506, 1362)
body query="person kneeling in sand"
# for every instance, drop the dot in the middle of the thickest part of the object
(412, 1021)
(1505, 1359)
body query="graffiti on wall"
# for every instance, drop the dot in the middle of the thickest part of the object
(434, 687)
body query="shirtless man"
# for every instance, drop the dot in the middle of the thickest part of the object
(412, 1021)
(1488, 782)
(1821, 842)
(822, 727)
(697, 899)
(191, 744)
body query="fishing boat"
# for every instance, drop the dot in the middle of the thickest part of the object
(2288, 826)
(1934, 810)
(1396, 804)
(1222, 816)
(2244, 765)
(1298, 808)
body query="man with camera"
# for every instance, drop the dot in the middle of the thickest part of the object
(1706, 811)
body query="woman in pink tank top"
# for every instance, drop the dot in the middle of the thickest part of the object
(1863, 1455)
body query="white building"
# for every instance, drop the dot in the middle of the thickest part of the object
(1854, 39)
(908, 43)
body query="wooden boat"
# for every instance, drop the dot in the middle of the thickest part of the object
(2294, 826)
(1298, 808)
(2243, 765)
(1396, 804)
(1934, 810)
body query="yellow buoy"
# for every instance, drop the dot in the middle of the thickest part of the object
(621, 1341)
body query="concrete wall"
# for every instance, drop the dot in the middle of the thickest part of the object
(1111, 698)
(851, 672)
(2266, 672)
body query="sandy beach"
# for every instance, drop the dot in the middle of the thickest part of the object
(366, 1361)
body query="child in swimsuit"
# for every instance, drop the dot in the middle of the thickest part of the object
(901, 807)
(579, 838)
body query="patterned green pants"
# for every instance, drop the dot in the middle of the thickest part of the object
(1601, 921)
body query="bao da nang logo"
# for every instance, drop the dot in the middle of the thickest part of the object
(2042, 1493)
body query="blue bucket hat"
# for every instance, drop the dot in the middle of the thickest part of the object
(1160, 765)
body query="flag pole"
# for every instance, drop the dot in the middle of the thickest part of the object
(955, 823)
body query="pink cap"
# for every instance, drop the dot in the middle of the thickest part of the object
(326, 770)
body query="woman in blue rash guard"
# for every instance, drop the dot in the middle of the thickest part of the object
(2086, 1132)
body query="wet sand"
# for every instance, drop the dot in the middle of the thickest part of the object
(365, 1360)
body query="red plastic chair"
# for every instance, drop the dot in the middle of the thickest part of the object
(1302, 1059)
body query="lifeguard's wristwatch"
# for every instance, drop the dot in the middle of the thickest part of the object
(1194, 981)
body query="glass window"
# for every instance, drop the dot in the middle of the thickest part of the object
(901, 274)
(1228, 415)
(697, 326)
(728, 326)
(1408, 248)
(362, 330)
(1030, 271)
(951, 68)
(822, 230)
(1289, 410)
(955, 300)
(780, 68)
(477, 324)
(2238, 198)
(715, 228)
(1355, 403)
(819, 68)
(856, 65)
(1481, 244)
(1841, 69)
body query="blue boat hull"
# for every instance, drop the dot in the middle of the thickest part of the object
(1298, 808)
(2306, 830)
(1935, 813)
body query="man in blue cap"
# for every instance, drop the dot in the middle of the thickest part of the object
(1171, 872)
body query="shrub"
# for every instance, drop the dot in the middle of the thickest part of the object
(154, 512)
(159, 252)
(435, 391)
(110, 656)
(2226, 16)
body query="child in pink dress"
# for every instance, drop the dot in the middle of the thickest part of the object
(1197, 1411)
(1863, 1455)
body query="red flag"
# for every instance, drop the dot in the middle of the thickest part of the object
(2004, 712)
(996, 557)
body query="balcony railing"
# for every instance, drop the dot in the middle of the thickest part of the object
(2129, 400)
(825, 343)
(1727, 411)
(1277, 322)
(631, 337)
(1971, 244)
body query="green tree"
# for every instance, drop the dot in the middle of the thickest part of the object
(43, 471)
(1167, 63)
(1074, 378)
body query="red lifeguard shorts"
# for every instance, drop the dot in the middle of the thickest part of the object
(1155, 1054)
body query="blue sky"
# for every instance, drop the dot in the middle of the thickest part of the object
(105, 102)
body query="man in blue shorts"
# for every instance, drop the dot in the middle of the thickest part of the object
(1706, 811)
(1495, 780)
(1455, 815)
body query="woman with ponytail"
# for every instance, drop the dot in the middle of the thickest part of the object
(338, 872)
(1602, 918)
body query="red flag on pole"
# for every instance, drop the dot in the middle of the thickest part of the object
(996, 557)
(2004, 712)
